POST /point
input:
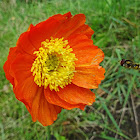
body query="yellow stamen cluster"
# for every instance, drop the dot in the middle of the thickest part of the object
(54, 65)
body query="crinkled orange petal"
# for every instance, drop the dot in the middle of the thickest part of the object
(25, 87)
(88, 56)
(88, 76)
(75, 95)
(85, 51)
(73, 39)
(59, 26)
(70, 25)
(23, 63)
(26, 90)
(30, 27)
(98, 57)
(7, 66)
(53, 98)
(21, 67)
(33, 108)
(84, 45)
(43, 31)
(76, 39)
(24, 43)
(43, 111)
(61, 18)
(84, 29)
(46, 29)
(74, 25)
(47, 112)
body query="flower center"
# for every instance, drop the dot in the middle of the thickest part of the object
(54, 65)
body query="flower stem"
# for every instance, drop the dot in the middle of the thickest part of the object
(48, 132)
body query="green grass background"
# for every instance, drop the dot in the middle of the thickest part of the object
(116, 113)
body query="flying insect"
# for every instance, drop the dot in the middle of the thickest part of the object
(129, 64)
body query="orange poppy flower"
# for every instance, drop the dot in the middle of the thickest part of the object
(54, 65)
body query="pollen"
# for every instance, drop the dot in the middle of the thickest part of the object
(54, 65)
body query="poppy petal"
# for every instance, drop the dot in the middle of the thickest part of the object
(79, 40)
(84, 29)
(21, 67)
(93, 57)
(74, 25)
(53, 98)
(30, 27)
(7, 66)
(43, 31)
(89, 76)
(43, 111)
(26, 90)
(25, 87)
(24, 43)
(76, 38)
(75, 95)
(61, 18)
(70, 25)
